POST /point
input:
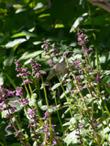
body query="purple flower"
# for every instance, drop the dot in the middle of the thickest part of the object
(77, 63)
(50, 62)
(17, 63)
(46, 115)
(10, 111)
(78, 78)
(54, 142)
(86, 51)
(2, 105)
(31, 113)
(19, 91)
(24, 101)
(38, 75)
(22, 72)
(2, 93)
(10, 92)
(97, 79)
(35, 66)
(45, 45)
(46, 130)
(36, 69)
(26, 81)
(81, 38)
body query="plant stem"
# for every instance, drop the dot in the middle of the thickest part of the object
(59, 116)
(65, 95)
(46, 100)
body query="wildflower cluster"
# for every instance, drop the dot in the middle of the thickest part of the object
(82, 41)
(23, 98)
(36, 69)
(49, 132)
(71, 110)
(23, 73)
(50, 48)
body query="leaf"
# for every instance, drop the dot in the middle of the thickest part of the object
(24, 33)
(53, 108)
(64, 94)
(32, 101)
(15, 42)
(1, 79)
(106, 79)
(38, 6)
(55, 86)
(77, 22)
(10, 80)
(35, 143)
(71, 138)
(37, 42)
(14, 102)
(105, 133)
(28, 55)
(71, 122)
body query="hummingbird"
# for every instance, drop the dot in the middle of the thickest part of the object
(62, 67)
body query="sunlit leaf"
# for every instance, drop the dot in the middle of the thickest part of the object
(1, 79)
(15, 42)
(78, 22)
(23, 33)
(56, 86)
(28, 55)
(37, 42)
(38, 6)
(71, 138)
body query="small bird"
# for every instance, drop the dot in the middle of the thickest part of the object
(58, 69)
(62, 67)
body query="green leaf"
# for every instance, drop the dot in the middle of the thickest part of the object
(23, 33)
(55, 86)
(37, 42)
(106, 79)
(15, 42)
(32, 101)
(64, 94)
(1, 79)
(71, 138)
(28, 55)
(78, 22)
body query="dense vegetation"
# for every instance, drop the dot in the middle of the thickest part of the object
(54, 73)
